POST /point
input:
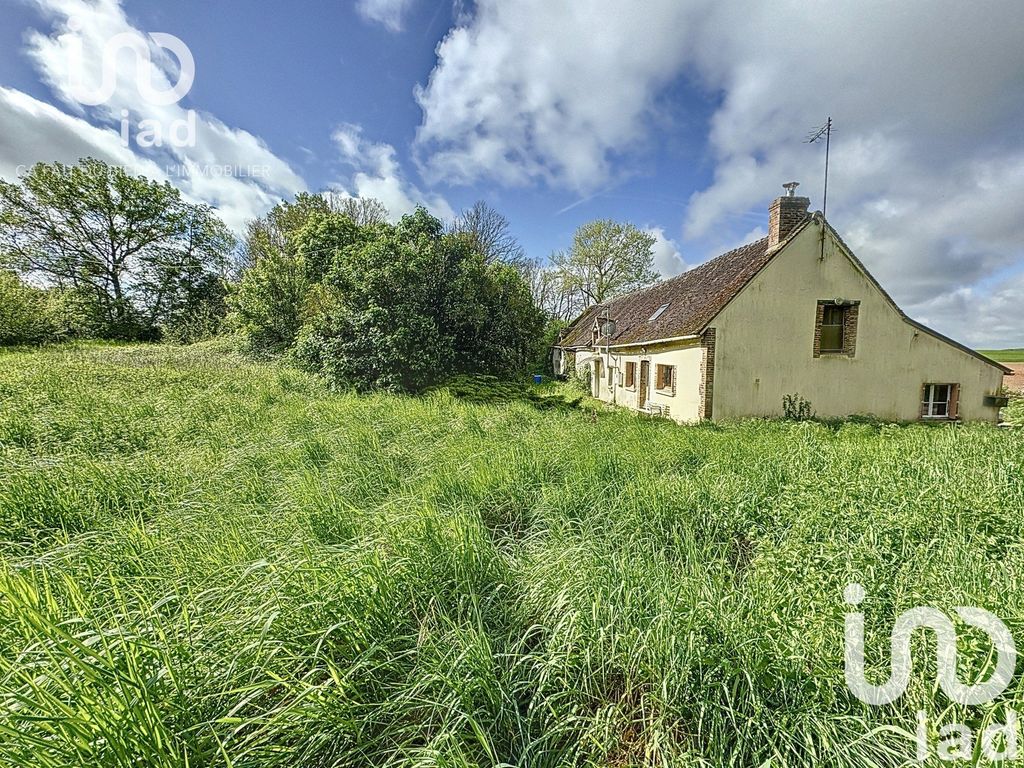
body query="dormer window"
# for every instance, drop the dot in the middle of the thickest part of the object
(658, 313)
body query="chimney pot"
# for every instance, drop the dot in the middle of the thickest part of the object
(785, 213)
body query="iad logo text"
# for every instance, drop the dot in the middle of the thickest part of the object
(150, 132)
(955, 738)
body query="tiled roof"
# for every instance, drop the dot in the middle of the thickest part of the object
(692, 298)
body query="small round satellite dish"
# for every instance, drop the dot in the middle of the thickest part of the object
(608, 328)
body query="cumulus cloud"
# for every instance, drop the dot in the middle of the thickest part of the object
(667, 258)
(927, 172)
(34, 131)
(389, 13)
(228, 168)
(377, 173)
(533, 90)
(995, 313)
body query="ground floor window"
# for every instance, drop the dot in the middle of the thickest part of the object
(630, 375)
(940, 401)
(666, 377)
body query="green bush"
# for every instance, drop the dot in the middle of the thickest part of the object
(24, 313)
(407, 306)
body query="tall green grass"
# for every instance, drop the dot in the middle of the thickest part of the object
(211, 562)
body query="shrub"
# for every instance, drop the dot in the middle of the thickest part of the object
(24, 316)
(408, 306)
(795, 408)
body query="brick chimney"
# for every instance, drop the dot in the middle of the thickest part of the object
(785, 213)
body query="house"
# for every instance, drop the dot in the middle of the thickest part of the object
(795, 313)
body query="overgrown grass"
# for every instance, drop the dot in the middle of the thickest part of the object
(211, 562)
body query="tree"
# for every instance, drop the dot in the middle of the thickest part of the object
(282, 259)
(268, 302)
(133, 246)
(363, 211)
(489, 233)
(24, 318)
(410, 305)
(607, 259)
(555, 296)
(274, 233)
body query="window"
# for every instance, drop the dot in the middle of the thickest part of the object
(657, 313)
(835, 331)
(940, 401)
(630, 375)
(611, 372)
(833, 325)
(666, 375)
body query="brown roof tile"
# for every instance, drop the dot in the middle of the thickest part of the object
(693, 299)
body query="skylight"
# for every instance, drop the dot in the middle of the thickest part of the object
(658, 313)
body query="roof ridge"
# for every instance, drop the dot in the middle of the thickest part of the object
(674, 278)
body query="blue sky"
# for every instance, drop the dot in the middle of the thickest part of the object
(681, 116)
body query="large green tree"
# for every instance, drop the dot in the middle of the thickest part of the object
(607, 259)
(285, 256)
(409, 305)
(133, 247)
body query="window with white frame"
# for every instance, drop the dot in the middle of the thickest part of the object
(939, 401)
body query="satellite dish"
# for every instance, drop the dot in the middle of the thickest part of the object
(608, 328)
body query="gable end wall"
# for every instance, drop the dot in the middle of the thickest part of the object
(765, 341)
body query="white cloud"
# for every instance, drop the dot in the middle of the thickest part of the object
(667, 258)
(927, 172)
(534, 90)
(995, 314)
(34, 131)
(228, 168)
(377, 173)
(389, 13)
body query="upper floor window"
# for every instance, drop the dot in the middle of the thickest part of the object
(835, 331)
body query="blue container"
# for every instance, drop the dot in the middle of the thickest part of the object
(537, 378)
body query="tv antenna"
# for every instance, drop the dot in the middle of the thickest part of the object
(824, 132)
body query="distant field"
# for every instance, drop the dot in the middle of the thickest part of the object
(1005, 355)
(210, 562)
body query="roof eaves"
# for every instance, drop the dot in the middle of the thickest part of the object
(955, 343)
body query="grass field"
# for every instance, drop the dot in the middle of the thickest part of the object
(1005, 355)
(209, 562)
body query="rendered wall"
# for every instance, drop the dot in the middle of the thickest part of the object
(765, 341)
(683, 405)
